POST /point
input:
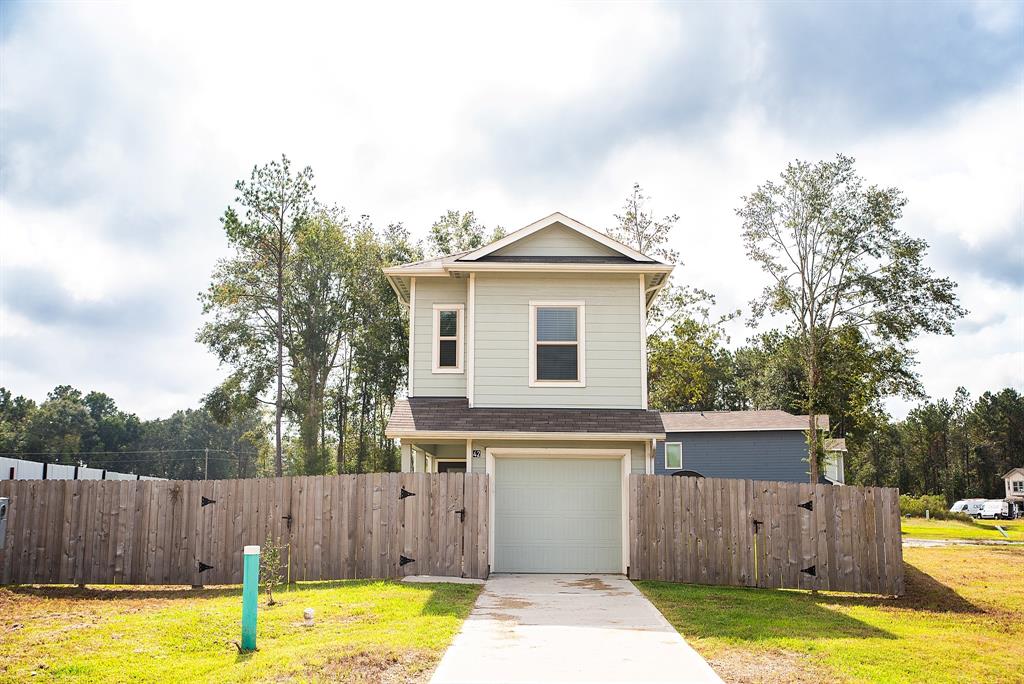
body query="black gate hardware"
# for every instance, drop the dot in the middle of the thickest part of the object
(405, 494)
(208, 501)
(403, 560)
(809, 505)
(289, 519)
(203, 567)
(462, 514)
(812, 571)
(757, 525)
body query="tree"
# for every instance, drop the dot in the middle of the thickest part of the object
(317, 321)
(458, 232)
(638, 228)
(688, 365)
(689, 369)
(835, 257)
(246, 295)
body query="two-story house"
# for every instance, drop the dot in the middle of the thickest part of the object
(528, 362)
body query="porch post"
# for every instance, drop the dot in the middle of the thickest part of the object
(406, 457)
(419, 460)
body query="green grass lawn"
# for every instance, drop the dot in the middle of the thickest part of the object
(365, 631)
(962, 620)
(955, 529)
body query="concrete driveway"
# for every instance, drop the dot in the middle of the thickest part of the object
(568, 628)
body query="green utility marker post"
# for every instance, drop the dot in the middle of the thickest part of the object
(250, 595)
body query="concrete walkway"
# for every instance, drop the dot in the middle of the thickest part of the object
(568, 628)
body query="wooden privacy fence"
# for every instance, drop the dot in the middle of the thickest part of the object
(765, 534)
(192, 532)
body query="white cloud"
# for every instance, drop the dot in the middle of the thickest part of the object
(127, 124)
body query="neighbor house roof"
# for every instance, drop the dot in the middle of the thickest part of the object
(1014, 471)
(834, 444)
(736, 421)
(452, 417)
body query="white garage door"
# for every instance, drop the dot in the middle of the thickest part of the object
(557, 515)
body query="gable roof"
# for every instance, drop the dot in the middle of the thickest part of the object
(442, 417)
(736, 421)
(1014, 471)
(571, 223)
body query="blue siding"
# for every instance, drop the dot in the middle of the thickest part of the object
(770, 455)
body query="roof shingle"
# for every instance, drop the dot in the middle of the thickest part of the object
(447, 414)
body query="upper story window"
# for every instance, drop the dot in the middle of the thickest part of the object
(557, 351)
(1018, 486)
(447, 338)
(673, 455)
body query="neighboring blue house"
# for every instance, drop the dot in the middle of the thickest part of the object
(756, 445)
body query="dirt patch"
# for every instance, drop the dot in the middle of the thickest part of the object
(509, 602)
(597, 584)
(589, 583)
(778, 667)
(501, 617)
(376, 668)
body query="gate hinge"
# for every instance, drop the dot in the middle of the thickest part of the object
(809, 505)
(203, 567)
(289, 519)
(812, 571)
(405, 493)
(462, 514)
(206, 502)
(403, 560)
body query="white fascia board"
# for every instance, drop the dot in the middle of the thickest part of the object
(739, 429)
(398, 292)
(470, 267)
(557, 217)
(571, 436)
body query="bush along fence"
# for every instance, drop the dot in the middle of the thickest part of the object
(765, 534)
(193, 532)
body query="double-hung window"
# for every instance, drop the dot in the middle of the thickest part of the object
(447, 339)
(1018, 487)
(673, 455)
(557, 352)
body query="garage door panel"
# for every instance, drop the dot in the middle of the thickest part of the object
(558, 515)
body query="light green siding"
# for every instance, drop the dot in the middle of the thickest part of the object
(556, 240)
(636, 449)
(430, 291)
(557, 515)
(612, 339)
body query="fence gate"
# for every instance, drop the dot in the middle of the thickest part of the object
(192, 532)
(765, 534)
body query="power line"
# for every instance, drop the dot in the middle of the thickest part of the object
(143, 451)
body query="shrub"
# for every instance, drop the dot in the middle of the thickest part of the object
(935, 504)
(270, 568)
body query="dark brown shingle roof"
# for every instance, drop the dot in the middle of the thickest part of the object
(443, 414)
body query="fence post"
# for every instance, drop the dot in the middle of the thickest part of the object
(250, 586)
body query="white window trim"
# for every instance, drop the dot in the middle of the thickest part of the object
(626, 455)
(1016, 486)
(581, 347)
(435, 338)
(665, 456)
(412, 337)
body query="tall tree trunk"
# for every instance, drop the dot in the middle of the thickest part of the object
(279, 404)
(812, 407)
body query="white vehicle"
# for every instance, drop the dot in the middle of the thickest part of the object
(971, 507)
(995, 508)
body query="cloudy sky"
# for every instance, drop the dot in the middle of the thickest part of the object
(124, 126)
